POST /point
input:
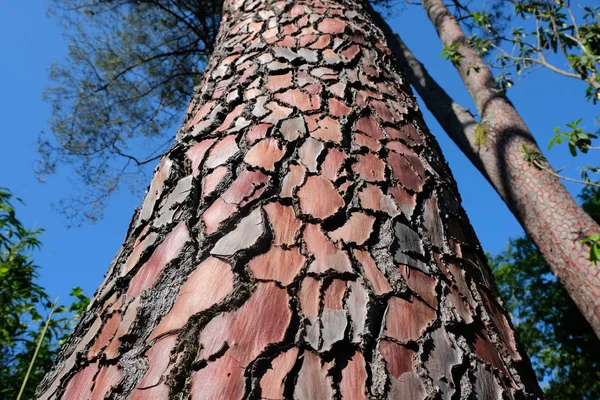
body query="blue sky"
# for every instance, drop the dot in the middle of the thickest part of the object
(30, 42)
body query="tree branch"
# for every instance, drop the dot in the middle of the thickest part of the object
(566, 178)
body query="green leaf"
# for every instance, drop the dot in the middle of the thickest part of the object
(451, 53)
(573, 150)
(596, 251)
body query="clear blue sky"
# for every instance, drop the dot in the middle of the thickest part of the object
(30, 42)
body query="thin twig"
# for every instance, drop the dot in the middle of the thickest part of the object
(37, 349)
(541, 61)
(556, 31)
(566, 178)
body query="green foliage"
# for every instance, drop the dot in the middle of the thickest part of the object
(564, 349)
(18, 294)
(451, 53)
(23, 305)
(577, 138)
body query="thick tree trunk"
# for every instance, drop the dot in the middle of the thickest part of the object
(302, 239)
(537, 198)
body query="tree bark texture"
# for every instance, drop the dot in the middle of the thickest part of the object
(538, 199)
(303, 239)
(457, 121)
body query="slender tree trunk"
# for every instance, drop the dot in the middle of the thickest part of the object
(538, 199)
(302, 239)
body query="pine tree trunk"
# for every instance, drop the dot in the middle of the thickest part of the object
(302, 239)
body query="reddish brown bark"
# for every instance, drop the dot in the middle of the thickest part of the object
(302, 239)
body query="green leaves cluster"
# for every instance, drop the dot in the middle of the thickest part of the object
(450, 53)
(577, 138)
(24, 305)
(564, 349)
(18, 293)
